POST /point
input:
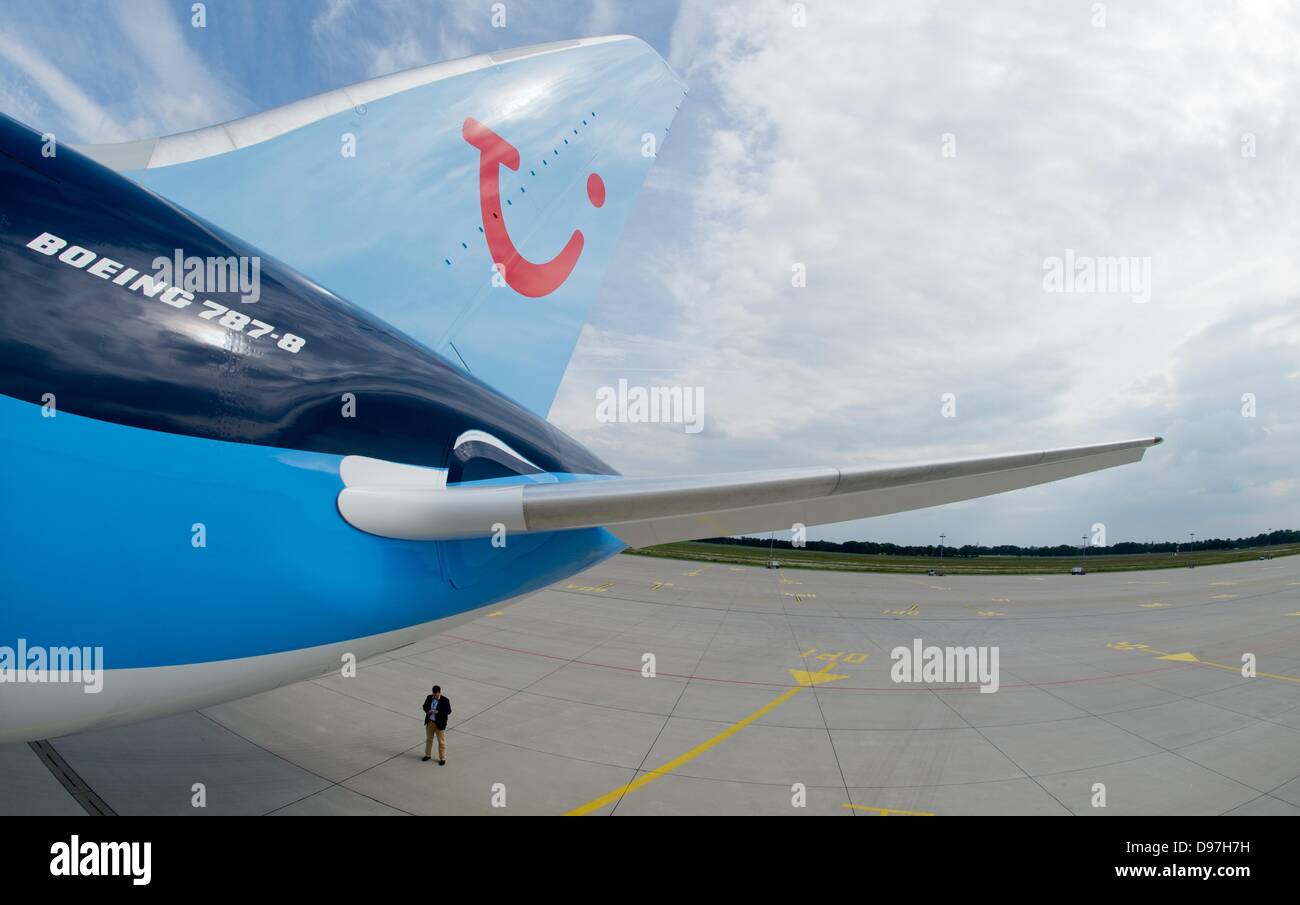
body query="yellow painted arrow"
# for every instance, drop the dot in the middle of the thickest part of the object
(809, 679)
(1189, 657)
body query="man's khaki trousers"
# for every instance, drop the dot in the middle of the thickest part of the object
(430, 730)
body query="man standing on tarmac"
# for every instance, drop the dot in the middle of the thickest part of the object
(436, 710)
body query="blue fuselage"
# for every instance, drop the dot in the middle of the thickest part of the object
(170, 473)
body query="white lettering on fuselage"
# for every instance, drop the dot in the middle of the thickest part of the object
(155, 287)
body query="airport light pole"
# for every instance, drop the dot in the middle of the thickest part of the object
(1083, 548)
(941, 537)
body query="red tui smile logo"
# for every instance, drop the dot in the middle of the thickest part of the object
(521, 275)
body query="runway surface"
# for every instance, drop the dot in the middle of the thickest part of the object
(771, 687)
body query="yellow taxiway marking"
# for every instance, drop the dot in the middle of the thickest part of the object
(790, 581)
(1225, 596)
(939, 587)
(804, 680)
(999, 599)
(1222, 584)
(659, 585)
(1155, 605)
(699, 570)
(885, 812)
(595, 589)
(1133, 645)
(910, 611)
(1296, 613)
(1189, 657)
(820, 677)
(497, 613)
(1262, 675)
(988, 613)
(799, 598)
(839, 656)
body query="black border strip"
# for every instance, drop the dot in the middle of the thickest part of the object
(77, 787)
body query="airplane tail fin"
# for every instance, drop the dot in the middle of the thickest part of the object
(473, 204)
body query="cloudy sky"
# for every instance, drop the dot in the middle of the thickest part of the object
(925, 164)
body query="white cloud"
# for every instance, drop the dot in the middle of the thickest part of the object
(85, 115)
(331, 16)
(405, 52)
(925, 272)
(175, 87)
(390, 36)
(602, 19)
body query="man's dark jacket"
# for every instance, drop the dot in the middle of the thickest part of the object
(439, 716)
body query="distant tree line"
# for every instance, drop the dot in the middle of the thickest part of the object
(1129, 548)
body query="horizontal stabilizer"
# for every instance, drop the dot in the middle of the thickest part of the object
(647, 511)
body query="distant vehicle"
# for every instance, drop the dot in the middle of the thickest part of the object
(1078, 570)
(773, 564)
(1263, 556)
(936, 572)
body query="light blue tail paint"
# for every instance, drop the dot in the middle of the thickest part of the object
(397, 228)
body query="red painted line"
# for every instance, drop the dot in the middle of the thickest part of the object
(839, 688)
